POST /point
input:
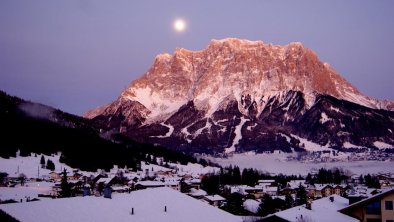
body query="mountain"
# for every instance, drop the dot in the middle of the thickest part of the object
(30, 127)
(240, 95)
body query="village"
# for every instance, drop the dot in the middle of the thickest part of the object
(250, 195)
(339, 156)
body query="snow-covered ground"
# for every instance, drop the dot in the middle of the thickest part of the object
(29, 190)
(195, 169)
(30, 166)
(148, 204)
(277, 163)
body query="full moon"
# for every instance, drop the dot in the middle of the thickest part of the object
(179, 25)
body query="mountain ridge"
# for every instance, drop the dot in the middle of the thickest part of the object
(231, 78)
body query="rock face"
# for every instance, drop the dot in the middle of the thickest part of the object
(240, 95)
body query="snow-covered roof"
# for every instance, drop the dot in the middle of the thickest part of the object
(153, 167)
(119, 188)
(266, 181)
(296, 183)
(149, 183)
(375, 197)
(148, 205)
(251, 205)
(105, 180)
(270, 189)
(323, 210)
(197, 192)
(194, 180)
(215, 198)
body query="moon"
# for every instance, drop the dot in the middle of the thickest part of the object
(179, 25)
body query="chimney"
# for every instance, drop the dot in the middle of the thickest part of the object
(165, 208)
(332, 199)
(132, 211)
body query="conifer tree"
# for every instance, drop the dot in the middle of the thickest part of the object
(65, 186)
(42, 161)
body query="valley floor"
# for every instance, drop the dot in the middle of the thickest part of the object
(287, 164)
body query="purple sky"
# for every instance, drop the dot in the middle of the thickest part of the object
(78, 54)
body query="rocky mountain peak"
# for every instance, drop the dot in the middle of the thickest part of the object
(234, 80)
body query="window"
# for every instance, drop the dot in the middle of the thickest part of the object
(373, 208)
(388, 205)
(374, 220)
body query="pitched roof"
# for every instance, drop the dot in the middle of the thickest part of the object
(215, 198)
(368, 200)
(148, 205)
(322, 210)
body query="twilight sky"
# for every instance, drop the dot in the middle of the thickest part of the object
(79, 54)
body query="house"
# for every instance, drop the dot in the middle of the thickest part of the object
(148, 184)
(215, 200)
(197, 193)
(266, 183)
(194, 183)
(376, 208)
(255, 191)
(292, 186)
(120, 188)
(175, 185)
(272, 191)
(157, 204)
(322, 210)
(340, 189)
(105, 181)
(251, 205)
(55, 176)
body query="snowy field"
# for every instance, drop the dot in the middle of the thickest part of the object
(277, 163)
(30, 166)
(30, 190)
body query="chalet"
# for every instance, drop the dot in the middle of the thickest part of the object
(194, 183)
(311, 191)
(322, 210)
(197, 193)
(106, 181)
(272, 191)
(256, 191)
(340, 189)
(266, 183)
(215, 200)
(120, 188)
(376, 208)
(148, 184)
(323, 190)
(55, 176)
(292, 187)
(251, 205)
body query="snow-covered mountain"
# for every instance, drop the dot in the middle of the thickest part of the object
(239, 95)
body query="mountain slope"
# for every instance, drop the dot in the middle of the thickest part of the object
(32, 127)
(245, 95)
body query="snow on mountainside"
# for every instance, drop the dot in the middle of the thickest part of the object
(235, 91)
